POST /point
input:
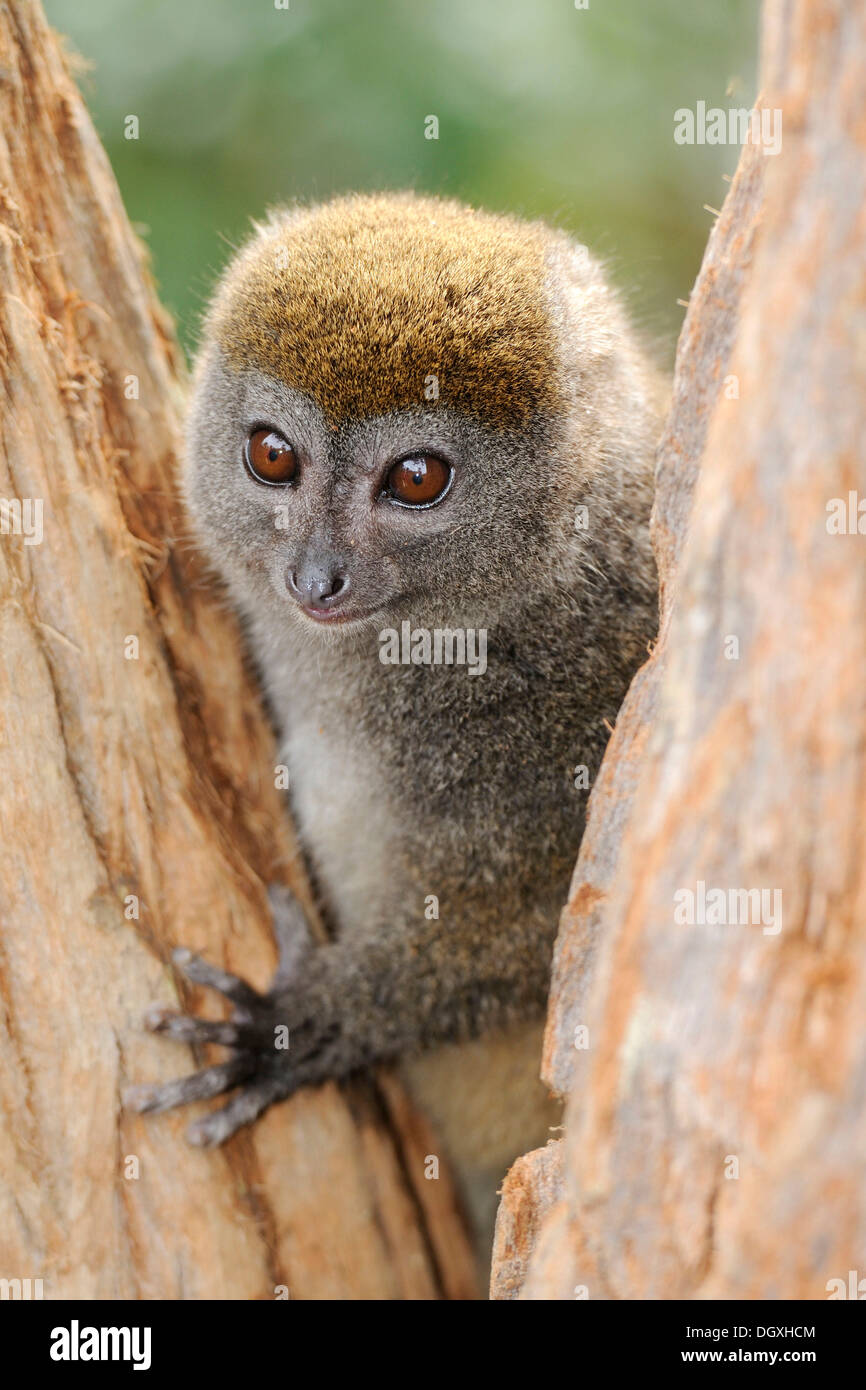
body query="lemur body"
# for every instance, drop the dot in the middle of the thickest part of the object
(407, 410)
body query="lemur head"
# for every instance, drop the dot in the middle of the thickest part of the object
(399, 405)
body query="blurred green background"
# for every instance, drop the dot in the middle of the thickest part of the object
(544, 110)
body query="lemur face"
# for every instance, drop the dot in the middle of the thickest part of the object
(375, 421)
(408, 512)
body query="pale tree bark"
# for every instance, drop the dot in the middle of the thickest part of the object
(138, 777)
(716, 1127)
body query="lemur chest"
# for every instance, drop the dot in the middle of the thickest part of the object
(345, 815)
(411, 785)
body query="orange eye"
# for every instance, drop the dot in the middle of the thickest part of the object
(270, 458)
(418, 481)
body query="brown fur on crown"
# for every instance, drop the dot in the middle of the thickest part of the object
(355, 302)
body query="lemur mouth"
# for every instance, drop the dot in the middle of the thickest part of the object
(337, 615)
(332, 617)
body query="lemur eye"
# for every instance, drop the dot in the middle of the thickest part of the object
(418, 481)
(270, 458)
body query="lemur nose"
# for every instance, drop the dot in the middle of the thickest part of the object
(318, 585)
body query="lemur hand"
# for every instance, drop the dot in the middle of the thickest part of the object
(279, 1041)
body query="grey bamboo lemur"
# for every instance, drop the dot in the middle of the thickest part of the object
(406, 412)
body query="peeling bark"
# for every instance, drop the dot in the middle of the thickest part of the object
(531, 1197)
(138, 777)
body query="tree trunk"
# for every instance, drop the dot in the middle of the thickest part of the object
(717, 1120)
(138, 805)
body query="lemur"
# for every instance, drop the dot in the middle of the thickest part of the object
(416, 426)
